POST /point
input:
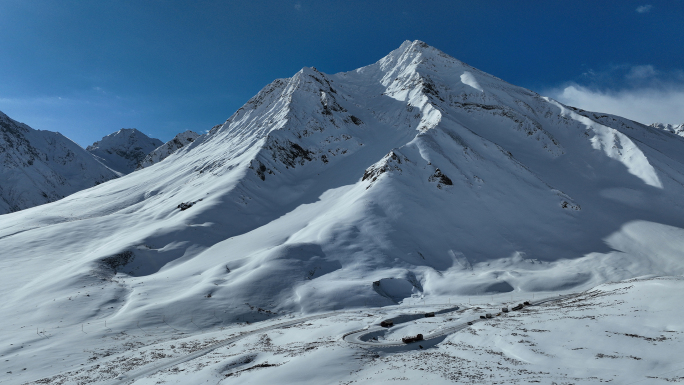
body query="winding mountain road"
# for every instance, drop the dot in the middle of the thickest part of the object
(364, 337)
(358, 337)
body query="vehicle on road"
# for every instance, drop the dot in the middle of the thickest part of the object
(387, 323)
(408, 340)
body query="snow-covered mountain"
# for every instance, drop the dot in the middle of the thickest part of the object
(38, 167)
(168, 148)
(673, 128)
(418, 175)
(123, 150)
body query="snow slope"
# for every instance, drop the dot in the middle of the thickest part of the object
(38, 167)
(168, 148)
(418, 172)
(123, 150)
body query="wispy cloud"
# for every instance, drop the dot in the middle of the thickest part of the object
(641, 72)
(298, 6)
(642, 105)
(641, 93)
(644, 8)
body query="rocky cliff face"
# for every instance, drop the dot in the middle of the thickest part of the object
(38, 167)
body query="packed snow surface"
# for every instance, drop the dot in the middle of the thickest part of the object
(417, 177)
(124, 150)
(37, 166)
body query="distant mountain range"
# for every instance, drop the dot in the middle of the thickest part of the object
(43, 166)
(38, 167)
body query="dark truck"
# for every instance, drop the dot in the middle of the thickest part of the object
(387, 323)
(416, 338)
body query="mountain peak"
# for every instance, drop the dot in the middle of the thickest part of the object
(414, 177)
(129, 131)
(415, 45)
(124, 149)
(417, 51)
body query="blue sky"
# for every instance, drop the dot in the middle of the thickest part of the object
(86, 68)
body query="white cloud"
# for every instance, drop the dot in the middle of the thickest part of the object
(641, 93)
(644, 105)
(641, 72)
(298, 6)
(644, 8)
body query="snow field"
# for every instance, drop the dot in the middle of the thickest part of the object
(620, 332)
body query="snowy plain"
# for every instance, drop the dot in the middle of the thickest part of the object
(360, 195)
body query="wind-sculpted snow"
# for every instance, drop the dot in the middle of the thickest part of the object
(404, 172)
(38, 167)
(124, 150)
